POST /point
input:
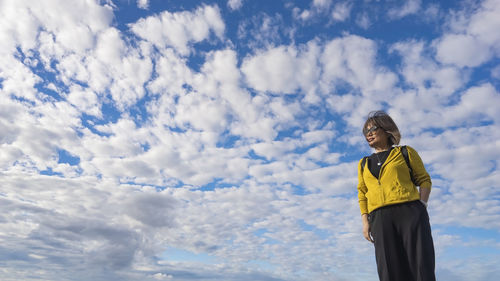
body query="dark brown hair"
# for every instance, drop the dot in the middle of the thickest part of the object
(384, 121)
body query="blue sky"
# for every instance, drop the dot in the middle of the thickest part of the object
(218, 140)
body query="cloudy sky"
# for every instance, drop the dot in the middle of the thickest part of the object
(218, 140)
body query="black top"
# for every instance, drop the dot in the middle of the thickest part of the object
(376, 160)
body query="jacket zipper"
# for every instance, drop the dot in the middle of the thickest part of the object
(383, 166)
(380, 174)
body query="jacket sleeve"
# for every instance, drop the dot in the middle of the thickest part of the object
(362, 189)
(420, 175)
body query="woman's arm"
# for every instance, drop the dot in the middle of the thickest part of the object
(420, 174)
(362, 189)
(424, 194)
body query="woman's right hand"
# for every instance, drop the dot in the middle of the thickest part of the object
(366, 228)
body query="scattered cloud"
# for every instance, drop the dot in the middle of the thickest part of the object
(320, 4)
(234, 139)
(264, 30)
(410, 7)
(495, 72)
(342, 11)
(476, 36)
(235, 4)
(363, 21)
(179, 29)
(143, 4)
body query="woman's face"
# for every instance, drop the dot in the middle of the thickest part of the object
(376, 136)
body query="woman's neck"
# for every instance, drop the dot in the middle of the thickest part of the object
(381, 149)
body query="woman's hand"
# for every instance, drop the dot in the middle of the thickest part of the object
(366, 228)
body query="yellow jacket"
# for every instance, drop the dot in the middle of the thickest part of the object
(394, 184)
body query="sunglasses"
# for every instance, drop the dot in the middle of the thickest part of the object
(371, 130)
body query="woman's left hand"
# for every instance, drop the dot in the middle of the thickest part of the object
(366, 229)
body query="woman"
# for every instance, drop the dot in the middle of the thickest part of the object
(393, 210)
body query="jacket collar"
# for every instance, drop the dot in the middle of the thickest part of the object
(396, 150)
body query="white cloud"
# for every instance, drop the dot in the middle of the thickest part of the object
(172, 74)
(420, 70)
(352, 59)
(179, 30)
(432, 12)
(72, 24)
(363, 21)
(38, 132)
(263, 31)
(484, 24)
(410, 7)
(264, 72)
(462, 50)
(495, 72)
(69, 36)
(85, 100)
(342, 11)
(321, 4)
(201, 113)
(473, 39)
(235, 4)
(19, 81)
(143, 4)
(477, 103)
(305, 15)
(162, 276)
(317, 8)
(434, 84)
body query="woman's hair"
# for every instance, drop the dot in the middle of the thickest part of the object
(385, 122)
